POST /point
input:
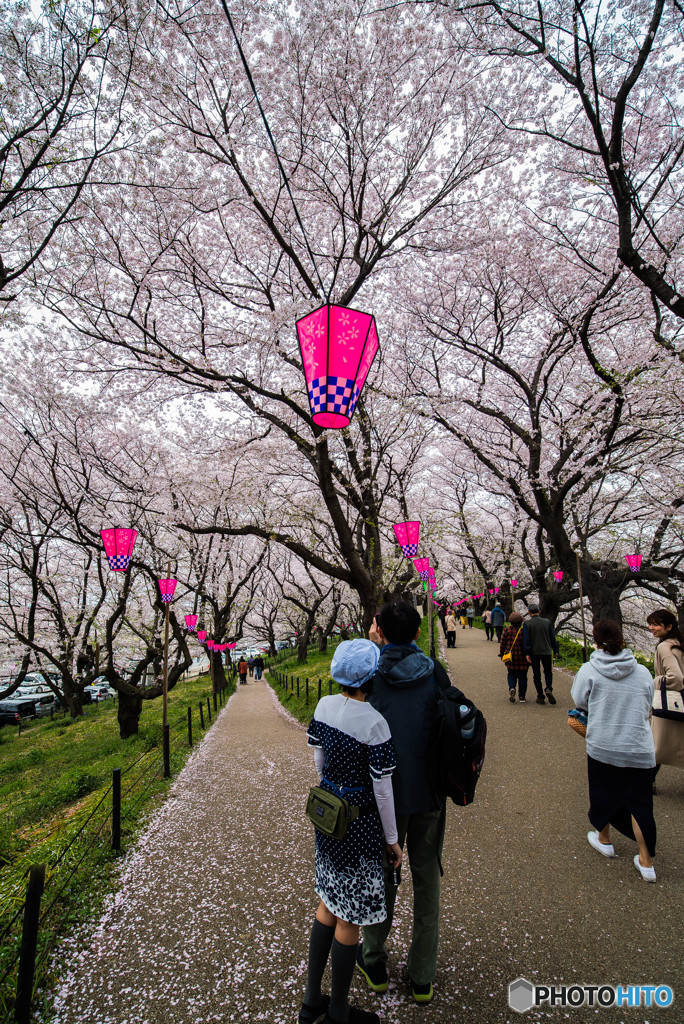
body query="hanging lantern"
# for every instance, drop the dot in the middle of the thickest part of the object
(338, 346)
(201, 635)
(167, 588)
(407, 535)
(514, 583)
(634, 562)
(191, 622)
(432, 583)
(491, 591)
(497, 589)
(422, 567)
(230, 646)
(558, 575)
(118, 545)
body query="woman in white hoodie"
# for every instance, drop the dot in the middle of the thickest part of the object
(617, 693)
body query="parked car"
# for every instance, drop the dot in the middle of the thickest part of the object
(13, 711)
(99, 692)
(46, 705)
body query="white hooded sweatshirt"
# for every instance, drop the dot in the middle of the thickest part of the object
(617, 693)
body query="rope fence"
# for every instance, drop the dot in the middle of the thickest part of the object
(46, 909)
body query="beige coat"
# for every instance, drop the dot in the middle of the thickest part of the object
(451, 623)
(668, 735)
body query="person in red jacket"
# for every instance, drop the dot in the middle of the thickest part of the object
(243, 669)
(511, 641)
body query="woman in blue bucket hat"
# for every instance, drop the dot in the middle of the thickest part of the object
(354, 759)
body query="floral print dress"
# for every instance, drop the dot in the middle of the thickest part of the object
(357, 747)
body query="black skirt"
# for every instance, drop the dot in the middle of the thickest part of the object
(615, 794)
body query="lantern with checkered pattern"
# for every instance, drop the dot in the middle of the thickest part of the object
(167, 589)
(338, 346)
(118, 545)
(634, 562)
(201, 635)
(191, 622)
(422, 568)
(408, 535)
(558, 575)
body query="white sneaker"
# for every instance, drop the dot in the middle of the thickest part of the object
(604, 848)
(648, 874)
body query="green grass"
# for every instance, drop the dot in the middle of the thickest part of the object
(52, 778)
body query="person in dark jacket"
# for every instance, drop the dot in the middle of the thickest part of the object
(511, 642)
(405, 694)
(540, 644)
(498, 620)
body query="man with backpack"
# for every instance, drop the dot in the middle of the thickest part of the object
(498, 620)
(405, 689)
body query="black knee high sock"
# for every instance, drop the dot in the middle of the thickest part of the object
(319, 951)
(342, 963)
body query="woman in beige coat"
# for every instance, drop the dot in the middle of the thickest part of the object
(668, 664)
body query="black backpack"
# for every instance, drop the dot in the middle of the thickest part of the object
(455, 762)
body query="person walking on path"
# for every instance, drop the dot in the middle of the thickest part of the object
(668, 664)
(487, 619)
(451, 628)
(540, 644)
(250, 666)
(354, 759)
(616, 693)
(404, 692)
(470, 615)
(258, 667)
(511, 643)
(498, 620)
(243, 668)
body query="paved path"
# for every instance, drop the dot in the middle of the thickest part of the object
(212, 919)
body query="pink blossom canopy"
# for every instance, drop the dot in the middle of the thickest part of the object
(408, 535)
(338, 346)
(634, 562)
(118, 545)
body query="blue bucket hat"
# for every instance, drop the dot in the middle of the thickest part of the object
(354, 663)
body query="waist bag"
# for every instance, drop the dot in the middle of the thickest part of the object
(332, 814)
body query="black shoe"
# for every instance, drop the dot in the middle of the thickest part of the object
(422, 993)
(511, 696)
(549, 696)
(314, 1014)
(375, 974)
(540, 700)
(356, 1016)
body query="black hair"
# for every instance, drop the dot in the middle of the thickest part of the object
(399, 622)
(664, 617)
(608, 636)
(366, 688)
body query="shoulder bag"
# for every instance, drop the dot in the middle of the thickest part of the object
(332, 814)
(508, 656)
(668, 703)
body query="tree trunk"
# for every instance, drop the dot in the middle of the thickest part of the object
(322, 643)
(603, 601)
(130, 709)
(218, 674)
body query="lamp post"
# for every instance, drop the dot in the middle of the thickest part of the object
(585, 652)
(167, 588)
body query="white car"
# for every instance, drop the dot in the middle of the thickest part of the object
(99, 692)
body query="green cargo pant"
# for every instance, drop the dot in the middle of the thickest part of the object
(423, 835)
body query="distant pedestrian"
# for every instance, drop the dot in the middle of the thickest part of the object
(616, 693)
(442, 618)
(498, 619)
(470, 615)
(258, 667)
(511, 642)
(250, 665)
(464, 620)
(668, 665)
(487, 619)
(451, 628)
(243, 669)
(540, 644)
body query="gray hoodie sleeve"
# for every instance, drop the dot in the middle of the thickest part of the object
(581, 688)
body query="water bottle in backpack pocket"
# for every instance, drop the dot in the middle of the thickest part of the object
(457, 747)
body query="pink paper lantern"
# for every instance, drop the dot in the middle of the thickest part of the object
(338, 346)
(514, 583)
(408, 535)
(166, 589)
(432, 583)
(497, 589)
(491, 591)
(201, 635)
(229, 646)
(191, 621)
(118, 545)
(634, 562)
(558, 575)
(422, 567)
